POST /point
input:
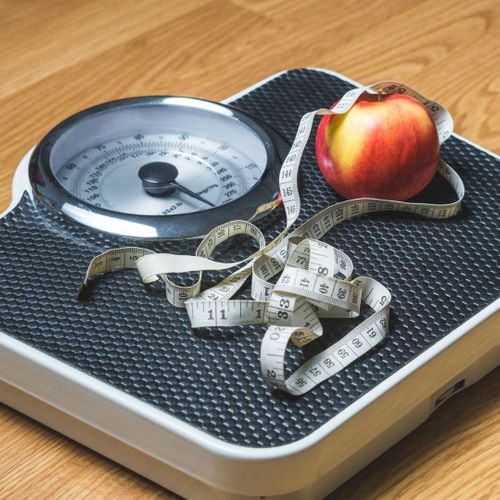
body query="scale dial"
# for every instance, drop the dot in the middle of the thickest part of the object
(107, 175)
(158, 167)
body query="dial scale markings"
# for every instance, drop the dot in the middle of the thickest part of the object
(106, 175)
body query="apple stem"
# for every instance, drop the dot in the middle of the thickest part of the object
(379, 95)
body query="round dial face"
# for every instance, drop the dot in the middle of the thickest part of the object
(207, 174)
(158, 167)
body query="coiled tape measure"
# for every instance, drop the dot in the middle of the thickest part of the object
(314, 279)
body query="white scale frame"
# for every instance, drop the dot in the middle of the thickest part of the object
(195, 464)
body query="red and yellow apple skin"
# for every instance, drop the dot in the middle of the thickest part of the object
(383, 147)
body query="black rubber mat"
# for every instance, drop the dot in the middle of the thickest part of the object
(439, 272)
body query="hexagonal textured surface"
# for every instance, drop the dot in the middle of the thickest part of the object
(439, 272)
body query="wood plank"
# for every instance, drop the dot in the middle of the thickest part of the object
(65, 33)
(452, 455)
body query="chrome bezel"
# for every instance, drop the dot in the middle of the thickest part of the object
(50, 191)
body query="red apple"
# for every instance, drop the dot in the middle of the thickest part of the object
(385, 146)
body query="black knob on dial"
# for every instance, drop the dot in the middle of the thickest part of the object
(158, 178)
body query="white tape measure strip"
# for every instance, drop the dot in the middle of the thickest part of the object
(336, 357)
(315, 278)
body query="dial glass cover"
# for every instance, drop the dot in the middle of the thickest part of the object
(162, 157)
(211, 161)
(107, 175)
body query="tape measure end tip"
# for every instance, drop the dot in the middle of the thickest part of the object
(84, 292)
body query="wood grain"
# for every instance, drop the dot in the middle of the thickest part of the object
(59, 56)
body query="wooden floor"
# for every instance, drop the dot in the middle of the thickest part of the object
(57, 57)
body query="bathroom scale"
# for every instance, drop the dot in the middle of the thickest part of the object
(123, 372)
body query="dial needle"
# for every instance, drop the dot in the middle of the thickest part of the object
(158, 179)
(191, 193)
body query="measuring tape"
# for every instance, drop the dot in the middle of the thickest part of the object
(315, 279)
